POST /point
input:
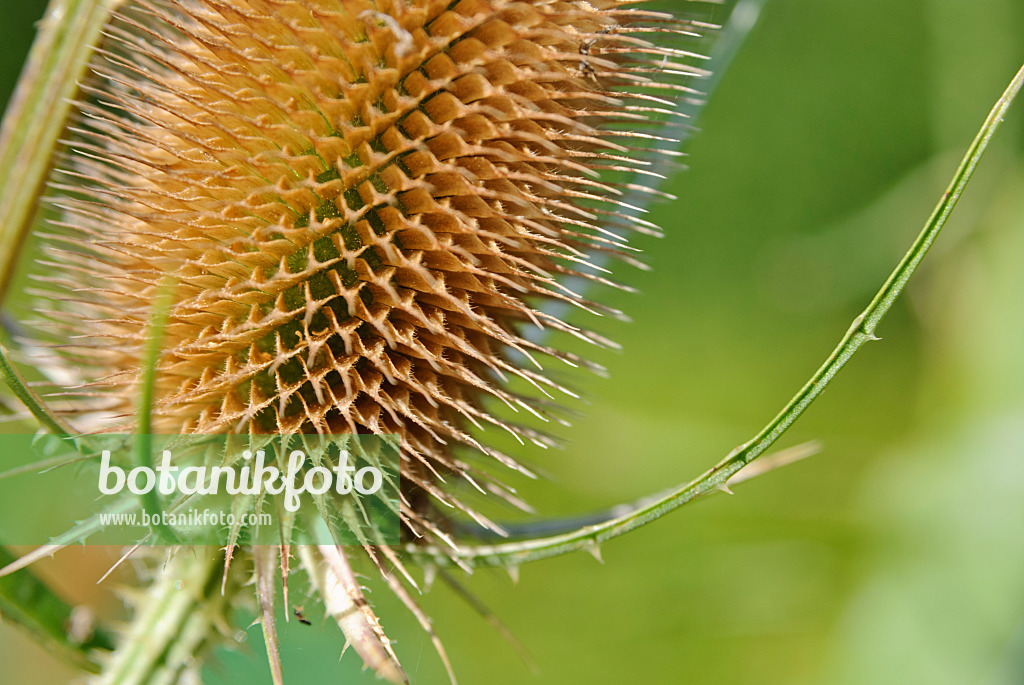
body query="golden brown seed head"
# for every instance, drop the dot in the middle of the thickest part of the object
(364, 208)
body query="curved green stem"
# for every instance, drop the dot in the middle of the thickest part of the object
(861, 331)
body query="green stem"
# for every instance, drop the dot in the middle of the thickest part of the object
(32, 401)
(179, 617)
(861, 331)
(37, 114)
(144, 438)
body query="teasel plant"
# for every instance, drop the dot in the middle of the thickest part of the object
(291, 217)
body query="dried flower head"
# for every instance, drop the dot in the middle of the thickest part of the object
(366, 209)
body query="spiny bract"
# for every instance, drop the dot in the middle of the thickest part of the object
(364, 209)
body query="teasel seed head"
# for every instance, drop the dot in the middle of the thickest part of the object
(367, 210)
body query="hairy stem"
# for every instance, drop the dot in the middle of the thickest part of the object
(177, 618)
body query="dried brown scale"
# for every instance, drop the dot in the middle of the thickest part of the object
(364, 206)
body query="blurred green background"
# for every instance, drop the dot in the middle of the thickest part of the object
(896, 554)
